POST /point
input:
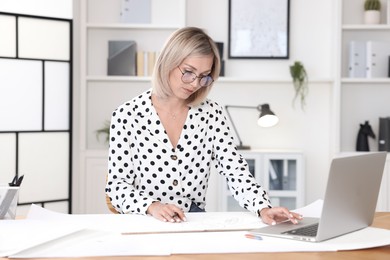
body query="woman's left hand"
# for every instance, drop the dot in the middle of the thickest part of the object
(272, 216)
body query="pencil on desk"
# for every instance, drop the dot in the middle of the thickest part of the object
(253, 237)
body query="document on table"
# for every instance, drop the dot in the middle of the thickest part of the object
(139, 224)
(213, 232)
(17, 235)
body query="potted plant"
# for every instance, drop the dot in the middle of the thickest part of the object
(105, 130)
(372, 11)
(300, 81)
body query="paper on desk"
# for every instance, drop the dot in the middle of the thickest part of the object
(132, 223)
(17, 235)
(100, 242)
(312, 210)
(90, 243)
(136, 224)
(201, 243)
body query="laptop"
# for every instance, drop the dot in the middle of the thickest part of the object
(349, 203)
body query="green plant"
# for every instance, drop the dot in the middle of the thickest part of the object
(105, 130)
(300, 81)
(372, 5)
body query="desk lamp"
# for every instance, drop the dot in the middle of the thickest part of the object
(267, 118)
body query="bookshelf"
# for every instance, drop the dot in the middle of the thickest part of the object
(100, 23)
(360, 99)
(99, 94)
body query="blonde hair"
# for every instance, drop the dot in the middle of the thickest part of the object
(185, 42)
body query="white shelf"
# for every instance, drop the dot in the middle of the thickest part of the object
(131, 26)
(365, 80)
(118, 78)
(221, 79)
(360, 27)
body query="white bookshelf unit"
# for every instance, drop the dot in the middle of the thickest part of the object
(362, 98)
(100, 94)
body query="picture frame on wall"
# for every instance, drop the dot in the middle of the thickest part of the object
(259, 29)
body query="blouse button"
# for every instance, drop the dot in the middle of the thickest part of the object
(174, 157)
(175, 182)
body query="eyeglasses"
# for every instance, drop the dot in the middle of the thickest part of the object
(189, 77)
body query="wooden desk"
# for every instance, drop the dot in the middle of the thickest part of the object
(382, 220)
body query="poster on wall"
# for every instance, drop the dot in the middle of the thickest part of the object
(259, 29)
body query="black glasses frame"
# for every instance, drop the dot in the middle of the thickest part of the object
(194, 77)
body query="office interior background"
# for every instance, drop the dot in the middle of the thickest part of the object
(319, 34)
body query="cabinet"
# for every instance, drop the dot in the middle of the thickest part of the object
(280, 173)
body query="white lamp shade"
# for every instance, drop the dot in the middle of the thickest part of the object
(267, 120)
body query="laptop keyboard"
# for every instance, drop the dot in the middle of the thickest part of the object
(309, 231)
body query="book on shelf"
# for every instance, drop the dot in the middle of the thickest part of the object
(145, 62)
(151, 61)
(377, 59)
(384, 134)
(140, 63)
(357, 59)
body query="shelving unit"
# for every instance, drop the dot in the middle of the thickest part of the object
(101, 94)
(280, 173)
(360, 99)
(365, 97)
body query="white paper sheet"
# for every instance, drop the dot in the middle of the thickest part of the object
(101, 235)
(17, 235)
(89, 243)
(210, 221)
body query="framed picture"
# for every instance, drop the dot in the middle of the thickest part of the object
(259, 29)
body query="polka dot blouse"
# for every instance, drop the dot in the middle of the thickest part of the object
(143, 166)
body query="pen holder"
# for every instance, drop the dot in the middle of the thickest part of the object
(8, 202)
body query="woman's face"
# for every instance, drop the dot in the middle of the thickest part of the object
(199, 65)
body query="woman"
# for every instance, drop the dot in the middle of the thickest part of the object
(163, 142)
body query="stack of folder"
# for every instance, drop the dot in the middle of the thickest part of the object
(369, 59)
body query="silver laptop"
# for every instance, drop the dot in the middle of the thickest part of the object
(349, 203)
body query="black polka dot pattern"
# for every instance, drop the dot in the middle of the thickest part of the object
(144, 167)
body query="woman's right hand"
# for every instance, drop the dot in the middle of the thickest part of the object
(166, 212)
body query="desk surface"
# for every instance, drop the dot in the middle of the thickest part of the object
(382, 220)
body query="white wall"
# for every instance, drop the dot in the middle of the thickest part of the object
(311, 37)
(48, 8)
(312, 30)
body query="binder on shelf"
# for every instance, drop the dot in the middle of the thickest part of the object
(377, 55)
(136, 11)
(121, 58)
(357, 59)
(384, 134)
